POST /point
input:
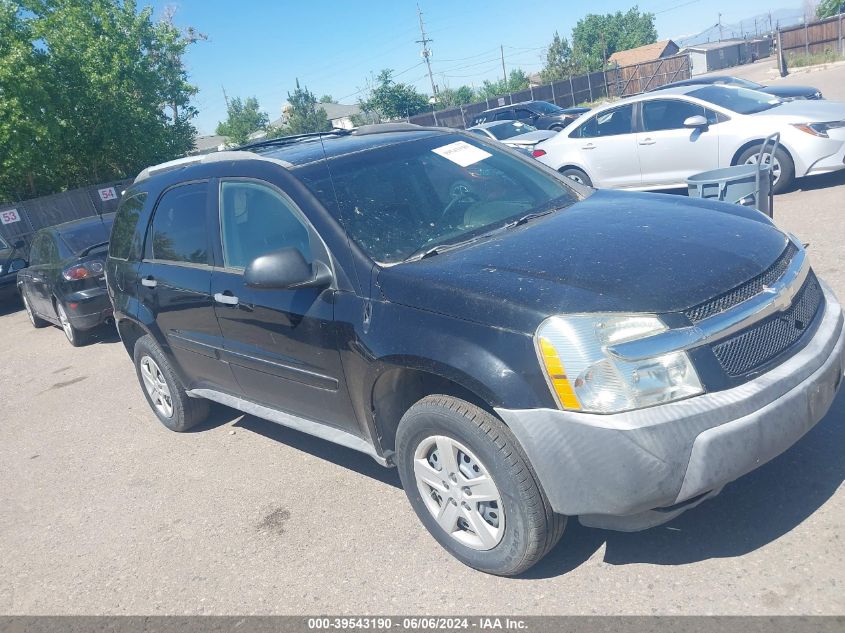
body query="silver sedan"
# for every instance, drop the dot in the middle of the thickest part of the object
(514, 133)
(658, 139)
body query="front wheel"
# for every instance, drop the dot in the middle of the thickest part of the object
(473, 488)
(783, 168)
(37, 321)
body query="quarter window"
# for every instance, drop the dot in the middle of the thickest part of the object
(256, 220)
(179, 227)
(607, 123)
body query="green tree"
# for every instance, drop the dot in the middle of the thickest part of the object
(560, 62)
(90, 90)
(517, 80)
(596, 37)
(243, 118)
(448, 98)
(829, 8)
(326, 99)
(391, 100)
(304, 116)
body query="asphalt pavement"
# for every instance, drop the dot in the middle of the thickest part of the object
(104, 511)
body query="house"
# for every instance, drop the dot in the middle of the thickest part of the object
(647, 53)
(712, 56)
(339, 115)
(208, 144)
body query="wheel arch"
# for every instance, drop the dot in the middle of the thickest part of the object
(130, 331)
(749, 144)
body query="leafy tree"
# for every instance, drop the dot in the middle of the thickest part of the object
(304, 116)
(326, 99)
(391, 100)
(829, 8)
(448, 98)
(243, 118)
(596, 37)
(90, 90)
(560, 62)
(517, 80)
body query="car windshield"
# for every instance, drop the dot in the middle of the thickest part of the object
(510, 129)
(544, 107)
(740, 100)
(399, 201)
(741, 83)
(80, 238)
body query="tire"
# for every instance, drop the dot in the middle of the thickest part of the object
(519, 529)
(37, 321)
(75, 337)
(556, 128)
(782, 159)
(163, 390)
(577, 175)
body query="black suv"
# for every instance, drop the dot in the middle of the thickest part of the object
(541, 114)
(522, 348)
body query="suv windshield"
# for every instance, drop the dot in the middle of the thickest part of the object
(510, 129)
(738, 100)
(544, 107)
(401, 200)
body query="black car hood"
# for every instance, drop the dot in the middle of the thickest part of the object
(790, 92)
(613, 252)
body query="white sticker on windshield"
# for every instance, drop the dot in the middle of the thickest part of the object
(462, 153)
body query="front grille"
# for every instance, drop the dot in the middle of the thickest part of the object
(744, 291)
(765, 340)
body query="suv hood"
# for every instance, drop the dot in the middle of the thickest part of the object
(614, 251)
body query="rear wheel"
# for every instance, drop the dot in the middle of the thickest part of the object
(37, 321)
(473, 488)
(75, 337)
(783, 168)
(577, 175)
(165, 394)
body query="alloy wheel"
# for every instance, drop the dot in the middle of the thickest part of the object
(459, 492)
(767, 160)
(28, 309)
(65, 322)
(156, 386)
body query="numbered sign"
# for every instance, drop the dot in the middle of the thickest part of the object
(9, 216)
(107, 194)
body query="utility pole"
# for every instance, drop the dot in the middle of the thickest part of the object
(225, 97)
(504, 74)
(720, 27)
(426, 52)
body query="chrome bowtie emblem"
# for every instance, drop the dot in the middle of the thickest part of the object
(769, 289)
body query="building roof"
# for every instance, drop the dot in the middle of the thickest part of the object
(646, 53)
(712, 46)
(211, 143)
(339, 110)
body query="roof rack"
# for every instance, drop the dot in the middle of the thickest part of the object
(202, 159)
(293, 138)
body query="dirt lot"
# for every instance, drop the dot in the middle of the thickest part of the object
(103, 511)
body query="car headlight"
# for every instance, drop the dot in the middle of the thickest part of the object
(584, 376)
(819, 129)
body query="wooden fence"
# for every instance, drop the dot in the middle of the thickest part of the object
(622, 81)
(815, 37)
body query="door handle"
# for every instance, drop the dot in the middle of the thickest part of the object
(149, 282)
(647, 141)
(226, 299)
(588, 146)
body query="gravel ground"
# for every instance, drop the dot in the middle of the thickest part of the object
(104, 511)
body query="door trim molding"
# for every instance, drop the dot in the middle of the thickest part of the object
(317, 429)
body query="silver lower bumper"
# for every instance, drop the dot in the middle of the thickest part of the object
(633, 470)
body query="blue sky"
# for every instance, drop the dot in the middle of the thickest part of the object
(258, 48)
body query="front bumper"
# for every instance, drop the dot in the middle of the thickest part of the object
(633, 470)
(827, 155)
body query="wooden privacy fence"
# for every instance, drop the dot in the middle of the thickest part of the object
(621, 81)
(20, 220)
(815, 37)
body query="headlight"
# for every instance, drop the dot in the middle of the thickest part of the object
(819, 129)
(583, 376)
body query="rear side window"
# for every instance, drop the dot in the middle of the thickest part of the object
(179, 232)
(125, 241)
(36, 251)
(607, 123)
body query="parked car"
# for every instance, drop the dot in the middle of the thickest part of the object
(11, 261)
(658, 139)
(522, 351)
(64, 283)
(541, 114)
(786, 93)
(514, 133)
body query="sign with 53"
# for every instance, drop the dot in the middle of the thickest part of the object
(9, 216)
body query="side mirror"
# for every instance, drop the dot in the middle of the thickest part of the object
(19, 245)
(696, 121)
(17, 264)
(286, 268)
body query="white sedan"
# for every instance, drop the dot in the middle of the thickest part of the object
(658, 139)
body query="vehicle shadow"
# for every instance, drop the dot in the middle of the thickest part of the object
(749, 513)
(323, 449)
(822, 181)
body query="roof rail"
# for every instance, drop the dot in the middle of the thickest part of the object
(292, 138)
(202, 159)
(381, 128)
